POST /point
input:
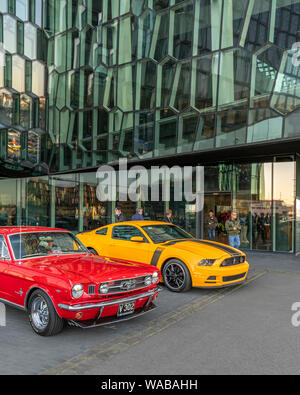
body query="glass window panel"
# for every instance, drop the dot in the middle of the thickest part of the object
(160, 4)
(66, 202)
(292, 123)
(235, 73)
(167, 80)
(3, 6)
(264, 124)
(284, 201)
(189, 124)
(258, 31)
(38, 78)
(261, 206)
(144, 141)
(38, 12)
(206, 82)
(267, 67)
(30, 41)
(18, 73)
(183, 87)
(183, 32)
(287, 24)
(161, 49)
(205, 133)
(34, 147)
(286, 97)
(38, 202)
(25, 111)
(167, 137)
(22, 9)
(10, 33)
(231, 128)
(147, 86)
(8, 202)
(14, 151)
(95, 213)
(6, 108)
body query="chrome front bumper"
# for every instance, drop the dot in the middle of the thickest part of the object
(111, 320)
(101, 305)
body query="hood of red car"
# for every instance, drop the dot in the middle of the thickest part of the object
(89, 268)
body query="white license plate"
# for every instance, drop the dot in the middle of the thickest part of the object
(126, 308)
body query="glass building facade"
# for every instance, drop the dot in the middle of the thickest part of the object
(87, 82)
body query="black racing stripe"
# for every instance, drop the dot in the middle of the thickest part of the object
(156, 256)
(229, 250)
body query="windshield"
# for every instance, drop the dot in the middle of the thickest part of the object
(163, 233)
(27, 245)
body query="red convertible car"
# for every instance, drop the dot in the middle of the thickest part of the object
(51, 275)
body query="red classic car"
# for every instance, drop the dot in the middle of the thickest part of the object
(51, 275)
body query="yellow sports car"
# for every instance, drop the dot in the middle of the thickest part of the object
(184, 261)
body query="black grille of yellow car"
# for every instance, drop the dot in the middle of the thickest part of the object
(234, 260)
(228, 279)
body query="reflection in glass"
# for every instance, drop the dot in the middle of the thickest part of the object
(231, 128)
(14, 145)
(6, 107)
(284, 200)
(10, 34)
(183, 31)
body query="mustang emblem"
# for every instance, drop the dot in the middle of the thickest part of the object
(128, 285)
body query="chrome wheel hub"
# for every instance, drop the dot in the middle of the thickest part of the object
(40, 313)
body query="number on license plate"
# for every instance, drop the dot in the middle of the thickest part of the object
(126, 308)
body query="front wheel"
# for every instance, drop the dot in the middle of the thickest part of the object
(176, 276)
(43, 317)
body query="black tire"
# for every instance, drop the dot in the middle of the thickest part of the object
(177, 277)
(46, 322)
(92, 251)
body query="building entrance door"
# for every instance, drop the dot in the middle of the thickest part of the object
(220, 204)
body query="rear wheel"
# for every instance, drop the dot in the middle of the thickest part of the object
(43, 317)
(92, 251)
(177, 276)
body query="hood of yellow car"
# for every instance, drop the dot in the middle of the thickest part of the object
(204, 248)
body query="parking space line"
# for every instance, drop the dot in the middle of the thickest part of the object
(87, 360)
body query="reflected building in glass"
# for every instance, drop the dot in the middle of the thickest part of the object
(159, 82)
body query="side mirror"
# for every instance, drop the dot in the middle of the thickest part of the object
(137, 239)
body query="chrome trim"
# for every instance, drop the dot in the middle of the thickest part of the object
(112, 321)
(116, 289)
(109, 303)
(18, 306)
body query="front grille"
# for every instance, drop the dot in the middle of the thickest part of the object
(229, 279)
(92, 290)
(126, 285)
(234, 261)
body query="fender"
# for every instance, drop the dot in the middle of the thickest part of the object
(47, 291)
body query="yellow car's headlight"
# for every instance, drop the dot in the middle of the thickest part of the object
(207, 262)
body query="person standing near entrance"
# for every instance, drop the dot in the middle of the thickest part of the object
(119, 216)
(169, 216)
(138, 216)
(233, 228)
(212, 224)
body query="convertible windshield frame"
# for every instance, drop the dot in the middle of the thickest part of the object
(180, 236)
(46, 255)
